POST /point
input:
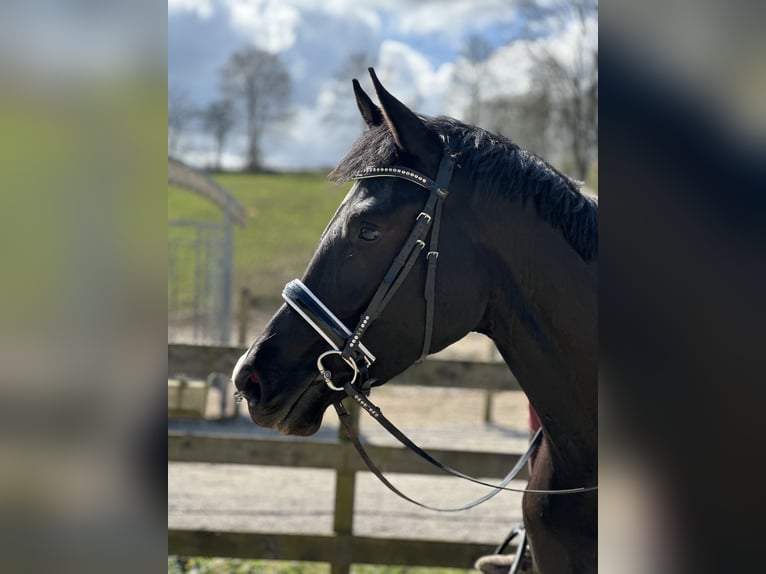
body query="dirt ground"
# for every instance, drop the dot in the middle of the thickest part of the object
(239, 497)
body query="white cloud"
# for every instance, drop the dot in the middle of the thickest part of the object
(310, 143)
(411, 77)
(509, 68)
(346, 9)
(203, 8)
(202, 158)
(449, 18)
(269, 25)
(403, 70)
(315, 38)
(572, 40)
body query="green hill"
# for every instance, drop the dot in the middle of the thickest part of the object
(286, 215)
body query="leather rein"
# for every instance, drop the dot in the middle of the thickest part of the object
(348, 346)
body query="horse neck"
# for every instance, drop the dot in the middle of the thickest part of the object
(542, 316)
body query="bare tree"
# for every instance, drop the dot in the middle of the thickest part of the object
(526, 119)
(218, 120)
(343, 109)
(259, 84)
(181, 113)
(470, 74)
(573, 84)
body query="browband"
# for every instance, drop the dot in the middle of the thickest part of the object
(402, 173)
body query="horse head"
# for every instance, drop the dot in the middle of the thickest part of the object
(279, 375)
(516, 248)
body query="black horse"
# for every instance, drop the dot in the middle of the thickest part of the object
(517, 261)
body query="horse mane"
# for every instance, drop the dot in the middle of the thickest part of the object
(500, 169)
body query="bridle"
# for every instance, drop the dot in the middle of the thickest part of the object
(348, 346)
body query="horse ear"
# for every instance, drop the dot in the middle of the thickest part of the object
(410, 133)
(370, 112)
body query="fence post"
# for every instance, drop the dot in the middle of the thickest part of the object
(244, 312)
(489, 397)
(488, 400)
(345, 485)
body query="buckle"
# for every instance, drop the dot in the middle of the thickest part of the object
(327, 374)
(423, 214)
(434, 253)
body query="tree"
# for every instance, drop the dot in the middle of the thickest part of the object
(342, 107)
(181, 113)
(470, 73)
(258, 83)
(218, 120)
(573, 84)
(525, 119)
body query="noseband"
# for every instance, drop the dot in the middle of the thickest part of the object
(348, 346)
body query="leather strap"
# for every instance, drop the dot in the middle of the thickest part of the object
(363, 401)
(521, 548)
(429, 290)
(345, 420)
(443, 178)
(428, 219)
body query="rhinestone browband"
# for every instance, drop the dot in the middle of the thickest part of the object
(408, 174)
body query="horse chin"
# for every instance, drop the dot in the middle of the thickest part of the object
(305, 416)
(300, 428)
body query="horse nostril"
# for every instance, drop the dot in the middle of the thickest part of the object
(247, 383)
(252, 389)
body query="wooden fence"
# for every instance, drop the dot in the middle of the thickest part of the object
(342, 548)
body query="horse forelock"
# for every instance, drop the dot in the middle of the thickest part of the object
(499, 169)
(375, 147)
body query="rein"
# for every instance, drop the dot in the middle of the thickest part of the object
(401, 437)
(347, 345)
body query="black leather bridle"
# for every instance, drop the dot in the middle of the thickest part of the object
(348, 346)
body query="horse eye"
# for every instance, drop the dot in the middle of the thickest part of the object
(369, 233)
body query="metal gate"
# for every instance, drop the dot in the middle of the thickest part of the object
(200, 263)
(198, 290)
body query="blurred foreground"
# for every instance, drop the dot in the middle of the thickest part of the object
(82, 343)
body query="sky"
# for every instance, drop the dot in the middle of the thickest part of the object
(412, 45)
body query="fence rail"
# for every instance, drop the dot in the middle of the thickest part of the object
(199, 361)
(342, 548)
(340, 456)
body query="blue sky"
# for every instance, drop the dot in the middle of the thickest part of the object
(413, 45)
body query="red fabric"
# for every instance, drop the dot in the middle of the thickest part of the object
(534, 422)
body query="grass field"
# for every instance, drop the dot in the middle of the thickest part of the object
(286, 215)
(232, 566)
